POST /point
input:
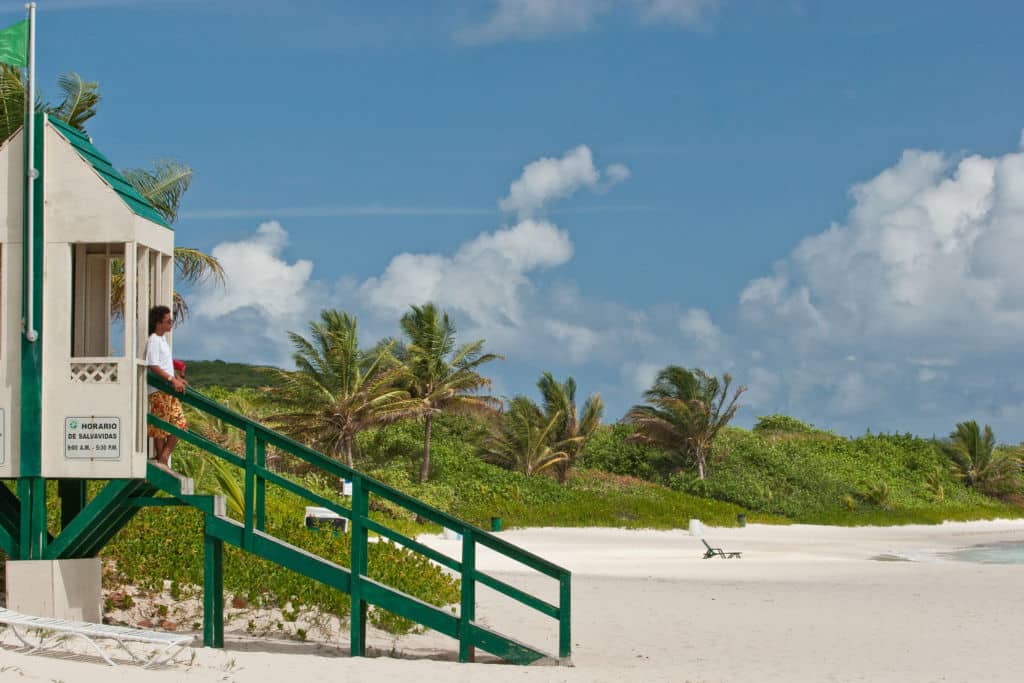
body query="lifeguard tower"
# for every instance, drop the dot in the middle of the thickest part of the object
(83, 257)
(79, 269)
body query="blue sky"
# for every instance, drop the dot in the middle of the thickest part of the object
(825, 199)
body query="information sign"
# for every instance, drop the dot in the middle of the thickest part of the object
(92, 438)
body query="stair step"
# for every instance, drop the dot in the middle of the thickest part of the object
(168, 480)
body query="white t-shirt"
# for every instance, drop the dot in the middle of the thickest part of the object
(158, 353)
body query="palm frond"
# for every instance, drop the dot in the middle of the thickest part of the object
(162, 186)
(194, 267)
(522, 440)
(228, 486)
(12, 101)
(80, 100)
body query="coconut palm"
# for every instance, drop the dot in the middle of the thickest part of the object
(686, 410)
(163, 185)
(972, 451)
(524, 439)
(573, 428)
(336, 392)
(441, 376)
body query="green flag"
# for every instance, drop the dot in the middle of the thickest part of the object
(14, 44)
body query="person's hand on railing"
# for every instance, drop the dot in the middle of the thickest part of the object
(179, 384)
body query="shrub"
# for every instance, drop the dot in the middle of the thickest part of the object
(877, 494)
(610, 449)
(782, 423)
(812, 478)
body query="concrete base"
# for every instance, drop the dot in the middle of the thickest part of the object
(65, 589)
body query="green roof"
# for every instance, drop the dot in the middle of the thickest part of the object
(135, 201)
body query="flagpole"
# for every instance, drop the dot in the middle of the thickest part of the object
(30, 176)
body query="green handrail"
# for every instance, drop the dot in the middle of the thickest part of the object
(256, 476)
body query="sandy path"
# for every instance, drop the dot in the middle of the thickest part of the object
(804, 604)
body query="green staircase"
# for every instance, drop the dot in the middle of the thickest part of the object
(250, 535)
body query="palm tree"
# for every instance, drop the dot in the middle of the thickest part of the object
(686, 410)
(163, 185)
(972, 451)
(442, 377)
(524, 439)
(336, 391)
(572, 430)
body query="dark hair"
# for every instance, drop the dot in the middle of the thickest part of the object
(156, 315)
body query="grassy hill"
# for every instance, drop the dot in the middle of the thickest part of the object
(217, 373)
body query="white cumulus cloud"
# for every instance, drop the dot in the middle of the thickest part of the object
(696, 324)
(257, 276)
(921, 285)
(264, 296)
(549, 179)
(929, 243)
(485, 279)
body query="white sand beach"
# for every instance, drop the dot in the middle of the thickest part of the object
(805, 603)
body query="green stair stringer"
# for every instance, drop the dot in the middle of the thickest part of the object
(10, 521)
(106, 514)
(249, 535)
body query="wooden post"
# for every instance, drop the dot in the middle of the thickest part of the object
(213, 590)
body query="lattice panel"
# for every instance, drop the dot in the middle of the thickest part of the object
(94, 373)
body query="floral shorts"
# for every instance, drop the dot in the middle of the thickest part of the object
(168, 409)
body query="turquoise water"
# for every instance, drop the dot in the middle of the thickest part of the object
(996, 553)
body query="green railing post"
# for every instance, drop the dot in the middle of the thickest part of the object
(565, 616)
(467, 606)
(250, 484)
(261, 486)
(357, 619)
(213, 590)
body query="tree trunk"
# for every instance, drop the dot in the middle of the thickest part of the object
(700, 464)
(348, 452)
(425, 464)
(562, 470)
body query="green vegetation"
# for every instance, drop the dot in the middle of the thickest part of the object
(784, 424)
(468, 487)
(203, 374)
(827, 479)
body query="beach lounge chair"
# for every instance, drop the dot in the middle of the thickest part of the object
(49, 627)
(712, 552)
